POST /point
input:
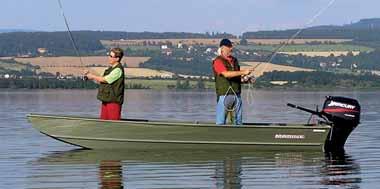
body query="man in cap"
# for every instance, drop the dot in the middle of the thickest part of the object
(228, 84)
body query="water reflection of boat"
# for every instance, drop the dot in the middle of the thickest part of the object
(110, 174)
(340, 169)
(221, 168)
(224, 167)
(83, 156)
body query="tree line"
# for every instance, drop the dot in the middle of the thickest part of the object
(364, 32)
(88, 42)
(45, 83)
(54, 83)
(320, 79)
(197, 65)
(78, 83)
(362, 61)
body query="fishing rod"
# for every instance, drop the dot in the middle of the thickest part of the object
(71, 35)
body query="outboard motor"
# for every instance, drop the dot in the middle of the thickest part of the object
(344, 114)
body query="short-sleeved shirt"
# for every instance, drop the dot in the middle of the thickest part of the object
(113, 76)
(219, 66)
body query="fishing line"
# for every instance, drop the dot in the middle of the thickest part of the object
(320, 12)
(275, 52)
(69, 32)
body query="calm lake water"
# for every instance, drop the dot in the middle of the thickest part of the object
(29, 159)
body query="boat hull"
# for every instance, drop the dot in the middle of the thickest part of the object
(143, 134)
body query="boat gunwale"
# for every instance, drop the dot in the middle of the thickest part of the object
(186, 124)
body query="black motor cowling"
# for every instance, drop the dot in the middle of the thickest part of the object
(344, 114)
(341, 110)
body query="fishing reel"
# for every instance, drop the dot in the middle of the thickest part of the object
(84, 76)
(248, 78)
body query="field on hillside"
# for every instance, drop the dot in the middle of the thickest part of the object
(133, 47)
(129, 72)
(145, 72)
(307, 48)
(269, 67)
(144, 42)
(294, 41)
(69, 65)
(137, 72)
(324, 54)
(72, 61)
(4, 66)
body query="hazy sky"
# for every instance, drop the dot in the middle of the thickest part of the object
(233, 16)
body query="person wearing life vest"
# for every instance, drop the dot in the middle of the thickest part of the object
(111, 89)
(228, 82)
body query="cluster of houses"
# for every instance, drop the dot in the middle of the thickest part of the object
(40, 52)
(168, 51)
(10, 76)
(7, 76)
(336, 64)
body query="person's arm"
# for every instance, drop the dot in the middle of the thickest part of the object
(220, 69)
(98, 79)
(230, 74)
(110, 78)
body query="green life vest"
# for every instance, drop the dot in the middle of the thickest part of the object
(112, 92)
(222, 84)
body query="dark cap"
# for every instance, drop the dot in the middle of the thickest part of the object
(225, 42)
